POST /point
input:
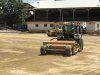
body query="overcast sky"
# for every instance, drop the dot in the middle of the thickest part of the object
(32, 1)
(29, 1)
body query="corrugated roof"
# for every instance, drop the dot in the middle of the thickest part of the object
(65, 3)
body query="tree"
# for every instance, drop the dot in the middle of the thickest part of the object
(1, 11)
(11, 11)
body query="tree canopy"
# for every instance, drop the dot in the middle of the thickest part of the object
(11, 11)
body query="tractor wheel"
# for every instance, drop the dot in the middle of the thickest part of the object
(55, 35)
(80, 44)
(59, 37)
(43, 50)
(68, 50)
(74, 51)
(49, 33)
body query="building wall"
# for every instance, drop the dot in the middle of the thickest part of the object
(93, 27)
(82, 23)
(90, 26)
(97, 26)
(32, 26)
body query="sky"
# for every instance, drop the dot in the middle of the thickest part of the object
(51, 3)
(64, 3)
(29, 1)
(32, 1)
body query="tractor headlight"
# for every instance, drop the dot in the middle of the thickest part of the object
(77, 36)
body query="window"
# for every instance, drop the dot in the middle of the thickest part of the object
(97, 25)
(36, 25)
(51, 25)
(45, 25)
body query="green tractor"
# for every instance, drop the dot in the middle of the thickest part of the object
(69, 40)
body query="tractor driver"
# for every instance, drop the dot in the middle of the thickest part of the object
(68, 31)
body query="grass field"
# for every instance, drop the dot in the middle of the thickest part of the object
(19, 55)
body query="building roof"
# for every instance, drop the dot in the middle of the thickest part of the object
(27, 6)
(44, 4)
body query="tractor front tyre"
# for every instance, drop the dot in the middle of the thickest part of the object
(43, 50)
(59, 37)
(68, 50)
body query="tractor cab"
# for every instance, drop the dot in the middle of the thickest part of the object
(70, 32)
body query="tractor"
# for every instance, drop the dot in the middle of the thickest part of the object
(53, 32)
(69, 41)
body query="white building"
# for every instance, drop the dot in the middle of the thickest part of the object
(93, 27)
(43, 4)
(39, 26)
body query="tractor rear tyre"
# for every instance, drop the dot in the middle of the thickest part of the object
(43, 50)
(59, 37)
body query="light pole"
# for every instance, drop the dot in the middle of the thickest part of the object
(73, 15)
(34, 14)
(88, 14)
(47, 11)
